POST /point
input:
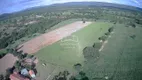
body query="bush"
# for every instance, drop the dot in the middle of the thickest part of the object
(133, 25)
(1, 77)
(110, 29)
(78, 66)
(61, 76)
(107, 34)
(97, 45)
(18, 65)
(133, 36)
(103, 38)
(90, 53)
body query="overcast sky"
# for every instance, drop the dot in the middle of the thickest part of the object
(8, 6)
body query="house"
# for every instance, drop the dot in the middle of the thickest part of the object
(32, 74)
(16, 76)
(24, 72)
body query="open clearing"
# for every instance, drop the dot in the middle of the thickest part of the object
(49, 38)
(7, 62)
(27, 38)
(68, 51)
(121, 57)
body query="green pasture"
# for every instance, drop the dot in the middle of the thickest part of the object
(68, 51)
(121, 56)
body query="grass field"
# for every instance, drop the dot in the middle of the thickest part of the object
(121, 56)
(68, 51)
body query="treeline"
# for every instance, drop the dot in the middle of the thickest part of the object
(39, 27)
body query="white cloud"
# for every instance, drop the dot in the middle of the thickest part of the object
(63, 1)
(136, 2)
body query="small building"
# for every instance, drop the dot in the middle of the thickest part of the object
(24, 72)
(16, 76)
(32, 74)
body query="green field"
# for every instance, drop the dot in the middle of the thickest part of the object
(68, 51)
(60, 54)
(121, 56)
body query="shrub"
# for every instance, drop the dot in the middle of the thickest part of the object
(78, 66)
(110, 29)
(90, 53)
(107, 33)
(103, 38)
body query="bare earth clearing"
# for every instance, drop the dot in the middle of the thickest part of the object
(7, 62)
(49, 38)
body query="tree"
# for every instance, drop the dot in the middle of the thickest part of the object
(61, 76)
(1, 77)
(85, 78)
(90, 53)
(133, 36)
(133, 25)
(82, 74)
(72, 78)
(30, 56)
(137, 21)
(103, 38)
(78, 66)
(9, 71)
(6, 77)
(18, 65)
(97, 45)
(83, 21)
(110, 29)
(108, 33)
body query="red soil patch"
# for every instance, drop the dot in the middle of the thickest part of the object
(49, 38)
(7, 62)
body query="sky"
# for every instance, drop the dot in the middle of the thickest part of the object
(9, 6)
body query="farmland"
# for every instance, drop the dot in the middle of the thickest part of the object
(68, 51)
(121, 57)
(93, 41)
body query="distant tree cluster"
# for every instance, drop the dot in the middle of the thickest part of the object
(80, 76)
(61, 76)
(90, 53)
(17, 53)
(103, 38)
